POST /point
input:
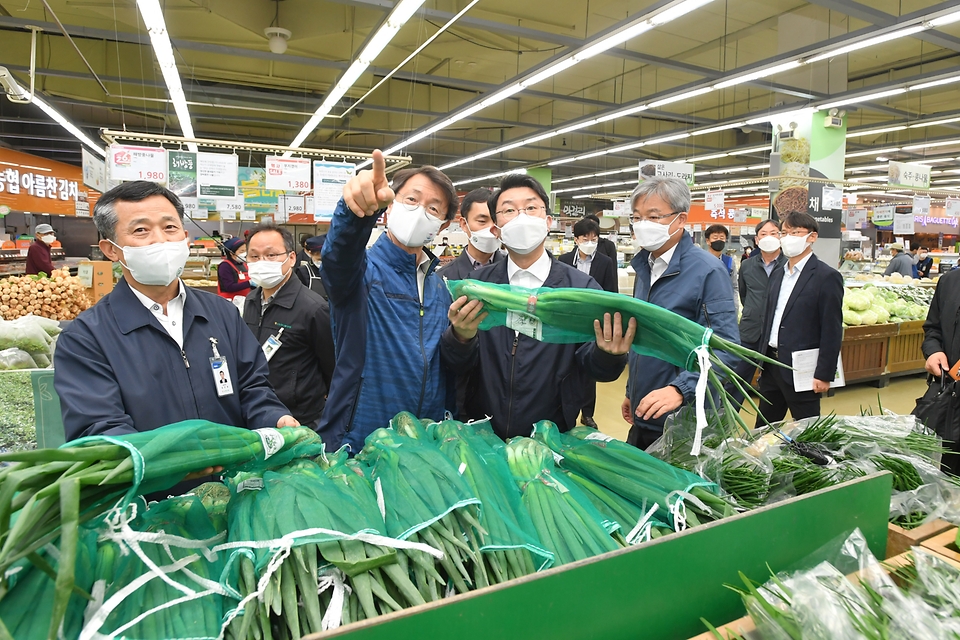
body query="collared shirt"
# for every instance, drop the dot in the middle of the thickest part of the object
(172, 321)
(583, 264)
(659, 265)
(768, 266)
(266, 303)
(790, 278)
(533, 277)
(476, 264)
(422, 267)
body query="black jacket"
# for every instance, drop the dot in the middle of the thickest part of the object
(310, 276)
(301, 370)
(608, 248)
(518, 380)
(753, 282)
(924, 266)
(603, 269)
(812, 318)
(940, 329)
(462, 267)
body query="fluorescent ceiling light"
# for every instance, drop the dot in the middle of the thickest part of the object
(868, 42)
(682, 96)
(761, 73)
(722, 127)
(944, 20)
(163, 49)
(613, 40)
(521, 171)
(622, 114)
(866, 98)
(935, 122)
(400, 14)
(710, 157)
(933, 160)
(741, 152)
(551, 70)
(935, 83)
(927, 145)
(677, 10)
(871, 132)
(874, 152)
(56, 116)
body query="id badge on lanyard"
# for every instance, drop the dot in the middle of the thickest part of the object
(272, 345)
(221, 372)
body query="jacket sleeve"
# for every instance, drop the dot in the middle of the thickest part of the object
(611, 283)
(932, 329)
(718, 312)
(459, 357)
(344, 263)
(597, 363)
(831, 326)
(258, 401)
(323, 343)
(228, 281)
(735, 282)
(741, 288)
(90, 399)
(890, 267)
(40, 258)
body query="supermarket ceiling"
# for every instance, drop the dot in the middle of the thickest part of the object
(585, 87)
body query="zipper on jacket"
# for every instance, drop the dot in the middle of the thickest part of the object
(705, 314)
(185, 361)
(423, 353)
(513, 369)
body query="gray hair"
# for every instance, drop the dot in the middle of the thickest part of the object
(673, 191)
(105, 211)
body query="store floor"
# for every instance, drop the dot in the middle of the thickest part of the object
(900, 396)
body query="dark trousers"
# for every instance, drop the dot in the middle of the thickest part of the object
(591, 404)
(745, 370)
(779, 395)
(642, 438)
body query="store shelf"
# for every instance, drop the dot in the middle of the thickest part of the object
(656, 590)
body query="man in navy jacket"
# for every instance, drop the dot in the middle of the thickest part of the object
(520, 380)
(388, 307)
(804, 311)
(140, 358)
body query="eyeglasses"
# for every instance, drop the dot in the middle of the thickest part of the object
(411, 202)
(529, 210)
(271, 257)
(639, 218)
(796, 233)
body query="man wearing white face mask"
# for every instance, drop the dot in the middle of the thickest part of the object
(150, 352)
(673, 273)
(517, 379)
(804, 311)
(483, 248)
(38, 255)
(388, 306)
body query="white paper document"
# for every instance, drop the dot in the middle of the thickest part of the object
(804, 366)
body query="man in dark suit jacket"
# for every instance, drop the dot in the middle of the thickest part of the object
(587, 259)
(804, 311)
(483, 247)
(604, 246)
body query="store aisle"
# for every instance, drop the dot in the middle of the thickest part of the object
(900, 396)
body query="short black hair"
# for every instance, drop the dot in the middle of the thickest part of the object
(288, 242)
(438, 178)
(105, 211)
(513, 181)
(477, 196)
(585, 227)
(800, 220)
(716, 228)
(592, 216)
(763, 223)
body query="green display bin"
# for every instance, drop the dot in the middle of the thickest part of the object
(29, 410)
(46, 410)
(660, 589)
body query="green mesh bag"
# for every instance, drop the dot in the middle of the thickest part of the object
(507, 524)
(134, 600)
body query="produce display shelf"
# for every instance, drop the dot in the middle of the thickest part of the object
(864, 351)
(944, 544)
(658, 589)
(905, 353)
(900, 539)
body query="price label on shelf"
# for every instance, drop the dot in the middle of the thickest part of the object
(125, 163)
(289, 174)
(248, 215)
(714, 201)
(921, 205)
(232, 205)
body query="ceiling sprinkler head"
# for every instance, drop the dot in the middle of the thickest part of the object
(278, 38)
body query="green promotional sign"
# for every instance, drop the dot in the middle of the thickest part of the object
(182, 173)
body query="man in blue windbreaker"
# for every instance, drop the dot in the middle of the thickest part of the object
(388, 307)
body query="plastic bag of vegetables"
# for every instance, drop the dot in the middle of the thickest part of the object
(13, 358)
(27, 336)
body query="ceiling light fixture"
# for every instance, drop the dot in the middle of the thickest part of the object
(866, 98)
(160, 39)
(868, 42)
(872, 132)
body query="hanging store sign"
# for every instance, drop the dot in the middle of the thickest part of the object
(126, 163)
(329, 179)
(682, 170)
(94, 170)
(903, 224)
(832, 199)
(713, 201)
(952, 207)
(217, 175)
(883, 216)
(911, 176)
(288, 174)
(182, 173)
(921, 206)
(36, 185)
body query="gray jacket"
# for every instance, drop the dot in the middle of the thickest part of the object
(901, 263)
(753, 281)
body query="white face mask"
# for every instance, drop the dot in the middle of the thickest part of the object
(793, 245)
(524, 233)
(652, 235)
(266, 273)
(412, 226)
(769, 244)
(316, 263)
(156, 264)
(589, 247)
(49, 239)
(484, 241)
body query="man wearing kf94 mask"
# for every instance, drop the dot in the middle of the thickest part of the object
(151, 352)
(520, 380)
(387, 305)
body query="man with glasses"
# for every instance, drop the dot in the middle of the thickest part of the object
(673, 273)
(291, 323)
(389, 308)
(804, 311)
(517, 379)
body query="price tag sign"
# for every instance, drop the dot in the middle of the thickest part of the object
(714, 200)
(698, 227)
(234, 205)
(953, 207)
(289, 174)
(903, 224)
(328, 181)
(217, 174)
(295, 205)
(921, 206)
(137, 163)
(229, 216)
(832, 199)
(248, 215)
(739, 215)
(905, 174)
(882, 216)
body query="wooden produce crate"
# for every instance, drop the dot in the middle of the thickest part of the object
(900, 539)
(864, 351)
(904, 354)
(944, 544)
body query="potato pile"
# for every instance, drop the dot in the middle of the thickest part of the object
(59, 297)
